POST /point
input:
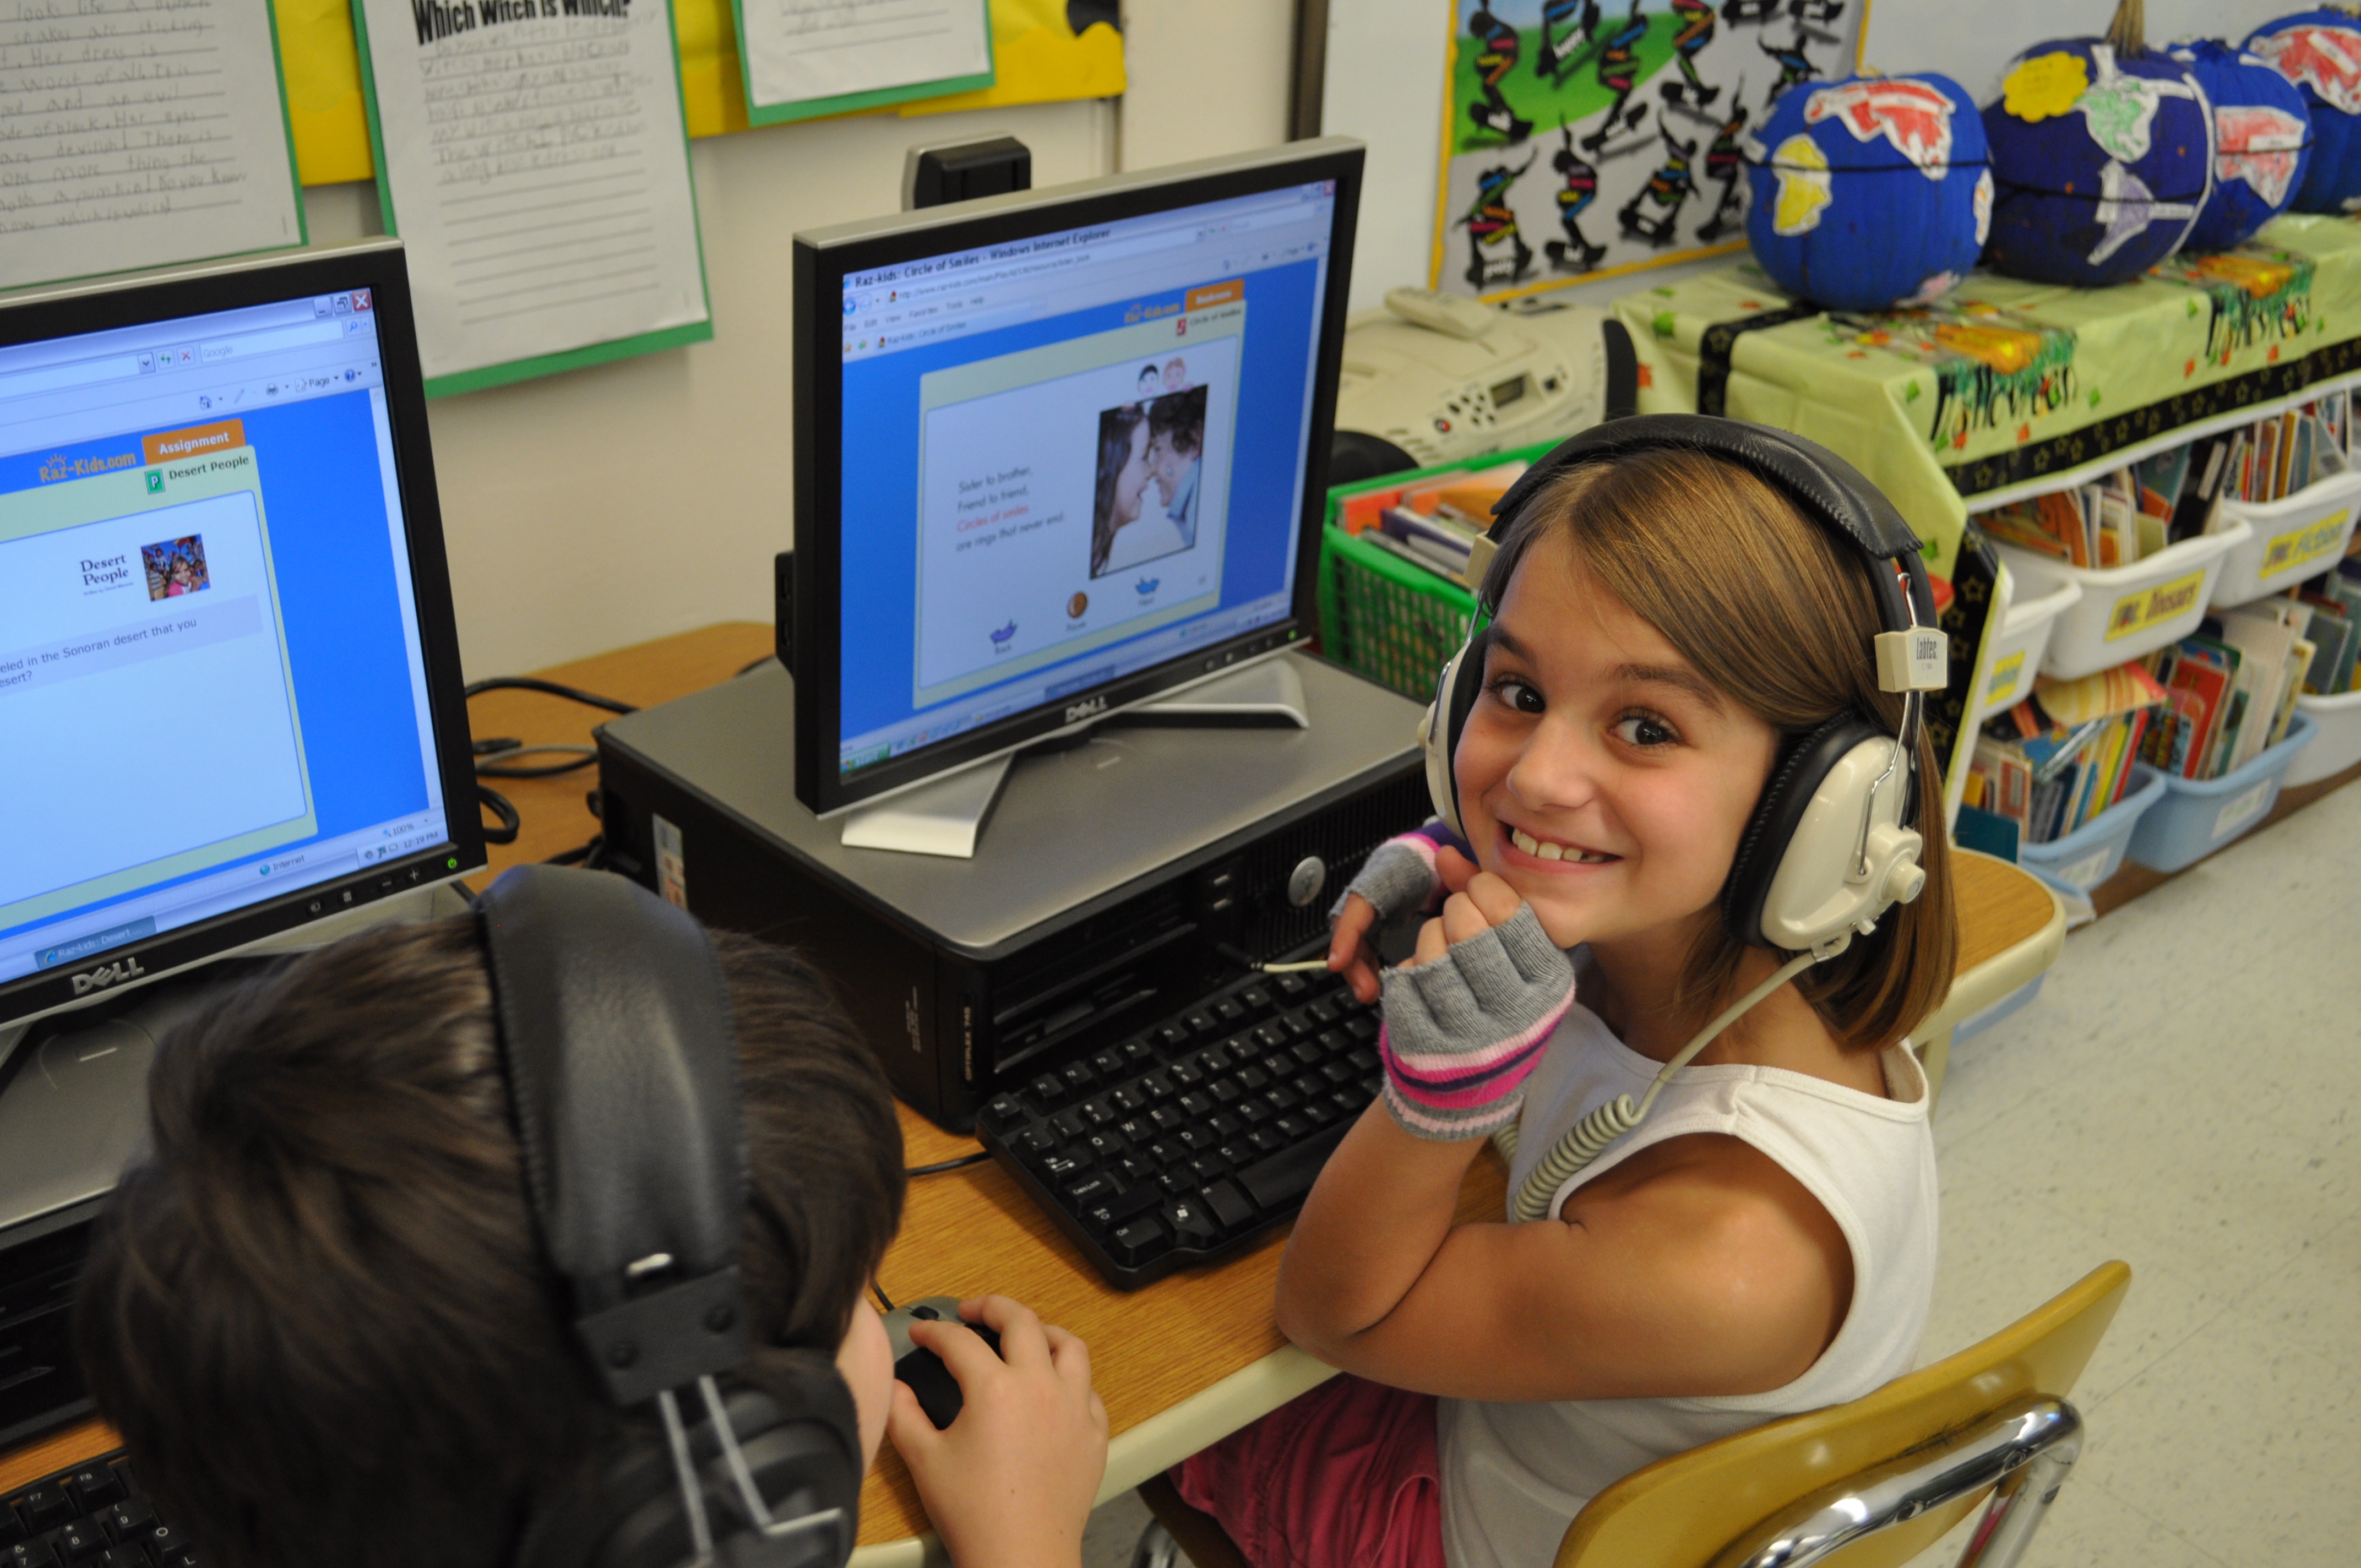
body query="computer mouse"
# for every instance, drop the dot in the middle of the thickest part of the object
(922, 1369)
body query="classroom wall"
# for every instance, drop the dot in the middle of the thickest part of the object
(606, 506)
(1384, 85)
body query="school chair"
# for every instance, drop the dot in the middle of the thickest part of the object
(1869, 1485)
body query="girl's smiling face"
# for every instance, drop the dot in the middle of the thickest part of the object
(1598, 773)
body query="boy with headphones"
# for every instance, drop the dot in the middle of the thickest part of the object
(1677, 780)
(543, 1237)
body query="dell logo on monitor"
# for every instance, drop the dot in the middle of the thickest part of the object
(1086, 709)
(105, 975)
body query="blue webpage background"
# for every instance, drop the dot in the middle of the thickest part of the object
(880, 505)
(332, 548)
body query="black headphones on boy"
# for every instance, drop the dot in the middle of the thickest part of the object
(1831, 846)
(621, 1063)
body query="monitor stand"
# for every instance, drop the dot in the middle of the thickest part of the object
(948, 815)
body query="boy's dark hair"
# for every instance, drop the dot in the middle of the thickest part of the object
(317, 1311)
(1180, 419)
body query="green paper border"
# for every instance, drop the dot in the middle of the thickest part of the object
(590, 354)
(847, 103)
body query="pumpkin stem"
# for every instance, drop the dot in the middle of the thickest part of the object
(2128, 31)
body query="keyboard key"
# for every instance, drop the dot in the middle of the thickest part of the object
(1255, 1112)
(1105, 1143)
(1110, 1064)
(1159, 1086)
(1167, 1119)
(1335, 1042)
(1226, 1091)
(1185, 1074)
(1136, 1054)
(1178, 1182)
(1338, 1073)
(1137, 1129)
(1324, 1011)
(1294, 1129)
(1292, 986)
(33, 1553)
(1270, 1038)
(1201, 1023)
(1319, 1111)
(1034, 1142)
(95, 1486)
(1197, 1103)
(1361, 1026)
(1136, 1242)
(1308, 1087)
(1281, 1098)
(1227, 1124)
(163, 1542)
(12, 1527)
(1061, 1168)
(129, 1518)
(1254, 1077)
(1136, 1168)
(1172, 1037)
(1067, 1124)
(1297, 1025)
(1280, 1066)
(124, 1557)
(1281, 1180)
(1114, 1211)
(1240, 1152)
(1265, 1141)
(45, 1507)
(1168, 1151)
(1088, 1190)
(1228, 1204)
(1307, 1052)
(1363, 1057)
(1255, 999)
(1230, 1012)
(1096, 1112)
(1191, 1221)
(1000, 1111)
(1130, 1097)
(1078, 1079)
(1196, 1140)
(82, 1538)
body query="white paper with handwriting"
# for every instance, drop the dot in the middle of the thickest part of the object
(137, 133)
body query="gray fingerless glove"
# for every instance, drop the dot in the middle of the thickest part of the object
(1462, 1034)
(1398, 876)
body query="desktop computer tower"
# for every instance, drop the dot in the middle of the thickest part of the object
(1115, 883)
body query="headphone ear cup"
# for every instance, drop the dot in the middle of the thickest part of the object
(801, 1439)
(1762, 848)
(1454, 694)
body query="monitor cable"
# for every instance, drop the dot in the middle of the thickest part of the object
(509, 749)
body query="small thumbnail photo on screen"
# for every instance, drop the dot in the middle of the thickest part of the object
(1150, 454)
(175, 566)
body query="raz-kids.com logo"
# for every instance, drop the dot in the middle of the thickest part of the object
(58, 465)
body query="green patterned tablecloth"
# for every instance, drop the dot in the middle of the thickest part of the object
(2008, 381)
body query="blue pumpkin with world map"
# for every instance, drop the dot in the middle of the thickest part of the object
(2101, 160)
(2320, 52)
(1869, 194)
(2262, 141)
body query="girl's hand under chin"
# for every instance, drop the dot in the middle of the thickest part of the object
(1478, 900)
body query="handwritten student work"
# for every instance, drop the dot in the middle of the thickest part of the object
(816, 57)
(135, 132)
(533, 158)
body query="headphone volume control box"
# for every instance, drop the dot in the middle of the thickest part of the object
(1101, 892)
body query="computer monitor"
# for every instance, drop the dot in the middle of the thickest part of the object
(229, 682)
(1057, 453)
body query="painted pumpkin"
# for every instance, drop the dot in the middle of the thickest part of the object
(2101, 162)
(2262, 141)
(1870, 192)
(2320, 52)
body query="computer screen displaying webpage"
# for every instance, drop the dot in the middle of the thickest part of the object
(1070, 458)
(211, 678)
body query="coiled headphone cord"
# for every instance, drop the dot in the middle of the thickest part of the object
(1587, 1138)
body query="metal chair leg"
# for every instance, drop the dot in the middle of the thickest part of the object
(1157, 1549)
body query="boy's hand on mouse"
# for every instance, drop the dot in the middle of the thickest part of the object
(1468, 1018)
(1010, 1482)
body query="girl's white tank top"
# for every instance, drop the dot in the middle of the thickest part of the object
(1514, 1474)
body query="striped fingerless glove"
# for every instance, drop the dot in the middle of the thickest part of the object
(1463, 1032)
(1399, 875)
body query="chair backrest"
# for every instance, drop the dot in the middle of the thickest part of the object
(1681, 1511)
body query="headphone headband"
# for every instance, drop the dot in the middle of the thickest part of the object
(1829, 490)
(621, 1061)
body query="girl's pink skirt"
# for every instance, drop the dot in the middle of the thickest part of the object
(1346, 1477)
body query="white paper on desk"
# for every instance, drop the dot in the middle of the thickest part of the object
(138, 133)
(798, 49)
(536, 168)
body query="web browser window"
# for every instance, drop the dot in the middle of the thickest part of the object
(1070, 458)
(211, 675)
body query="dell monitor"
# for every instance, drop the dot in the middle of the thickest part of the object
(1057, 453)
(229, 683)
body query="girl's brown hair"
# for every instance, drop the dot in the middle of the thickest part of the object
(1777, 614)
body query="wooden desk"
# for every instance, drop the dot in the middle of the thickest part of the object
(1178, 1362)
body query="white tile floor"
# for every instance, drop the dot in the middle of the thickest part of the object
(2180, 1096)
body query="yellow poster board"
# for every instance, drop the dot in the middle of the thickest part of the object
(1038, 57)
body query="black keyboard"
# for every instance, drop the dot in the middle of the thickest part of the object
(92, 1516)
(1180, 1144)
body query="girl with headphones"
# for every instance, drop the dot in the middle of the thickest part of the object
(1677, 779)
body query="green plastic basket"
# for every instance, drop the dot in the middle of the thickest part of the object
(1390, 619)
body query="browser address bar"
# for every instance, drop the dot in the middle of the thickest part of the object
(54, 377)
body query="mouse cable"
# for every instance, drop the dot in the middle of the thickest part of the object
(547, 688)
(962, 1163)
(497, 759)
(506, 833)
(885, 1302)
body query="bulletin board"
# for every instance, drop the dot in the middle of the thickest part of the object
(1039, 55)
